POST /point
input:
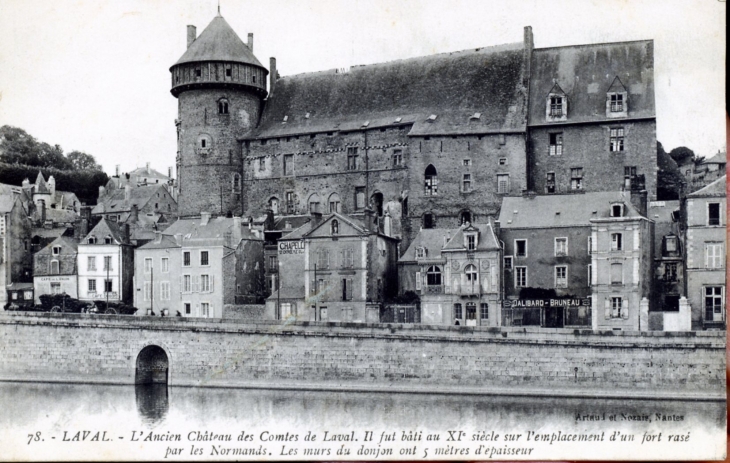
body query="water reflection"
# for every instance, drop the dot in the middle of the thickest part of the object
(152, 402)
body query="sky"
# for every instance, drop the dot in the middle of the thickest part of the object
(93, 75)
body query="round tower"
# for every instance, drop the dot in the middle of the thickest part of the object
(220, 86)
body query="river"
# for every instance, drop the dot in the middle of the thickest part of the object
(41, 420)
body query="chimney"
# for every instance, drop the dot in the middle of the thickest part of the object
(316, 217)
(158, 236)
(387, 224)
(127, 192)
(639, 201)
(250, 41)
(370, 219)
(134, 214)
(272, 75)
(43, 212)
(116, 170)
(169, 172)
(529, 45)
(191, 35)
(52, 186)
(178, 239)
(269, 223)
(26, 183)
(148, 168)
(125, 233)
(204, 218)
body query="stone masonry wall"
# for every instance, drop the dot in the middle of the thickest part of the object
(52, 347)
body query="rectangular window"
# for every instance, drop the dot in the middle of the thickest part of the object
(502, 161)
(323, 259)
(561, 276)
(561, 246)
(204, 258)
(288, 164)
(147, 291)
(165, 264)
(273, 263)
(108, 286)
(347, 258)
(334, 205)
(147, 265)
(290, 202)
(503, 183)
(556, 106)
(556, 144)
(713, 214)
(360, 197)
(550, 182)
(186, 259)
(262, 164)
(188, 308)
(467, 162)
(165, 291)
(91, 263)
(484, 311)
(520, 277)
(521, 248)
(419, 281)
(55, 267)
(508, 262)
(347, 289)
(397, 158)
(714, 255)
(576, 178)
(630, 171)
(187, 284)
(108, 263)
(471, 242)
(617, 139)
(590, 274)
(205, 309)
(352, 158)
(617, 242)
(92, 286)
(458, 312)
(617, 274)
(204, 283)
(56, 250)
(466, 183)
(590, 245)
(617, 103)
(714, 303)
(671, 243)
(617, 307)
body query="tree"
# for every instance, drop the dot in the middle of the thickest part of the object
(669, 177)
(82, 161)
(682, 155)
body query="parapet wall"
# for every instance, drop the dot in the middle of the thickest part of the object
(343, 356)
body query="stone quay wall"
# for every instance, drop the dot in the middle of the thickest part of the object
(347, 356)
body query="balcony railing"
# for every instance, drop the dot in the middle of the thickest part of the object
(433, 289)
(469, 290)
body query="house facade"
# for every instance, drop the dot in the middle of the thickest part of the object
(706, 255)
(105, 264)
(54, 268)
(157, 278)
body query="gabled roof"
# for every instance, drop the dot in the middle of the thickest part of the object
(166, 242)
(66, 242)
(453, 86)
(432, 239)
(587, 72)
(718, 188)
(487, 240)
(103, 229)
(616, 86)
(719, 158)
(358, 226)
(151, 173)
(114, 202)
(661, 211)
(213, 233)
(561, 210)
(7, 198)
(218, 42)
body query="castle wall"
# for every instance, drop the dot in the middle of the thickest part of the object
(87, 348)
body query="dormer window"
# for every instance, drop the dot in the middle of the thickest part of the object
(420, 253)
(471, 242)
(556, 109)
(617, 210)
(108, 240)
(617, 100)
(91, 240)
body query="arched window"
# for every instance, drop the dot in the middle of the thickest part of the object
(334, 203)
(376, 202)
(431, 181)
(236, 182)
(465, 217)
(314, 203)
(428, 220)
(335, 227)
(433, 276)
(222, 106)
(274, 205)
(471, 273)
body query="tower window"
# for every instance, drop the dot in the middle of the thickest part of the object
(428, 221)
(253, 78)
(228, 72)
(617, 139)
(556, 106)
(431, 181)
(198, 72)
(617, 102)
(556, 144)
(222, 106)
(576, 178)
(550, 182)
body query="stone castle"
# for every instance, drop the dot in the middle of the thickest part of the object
(430, 142)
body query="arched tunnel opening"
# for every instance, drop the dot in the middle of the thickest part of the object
(152, 366)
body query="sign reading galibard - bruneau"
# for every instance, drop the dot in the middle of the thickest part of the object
(546, 303)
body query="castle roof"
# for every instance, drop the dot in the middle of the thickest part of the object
(218, 42)
(587, 72)
(452, 86)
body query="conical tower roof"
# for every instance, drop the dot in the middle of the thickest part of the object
(218, 42)
(41, 185)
